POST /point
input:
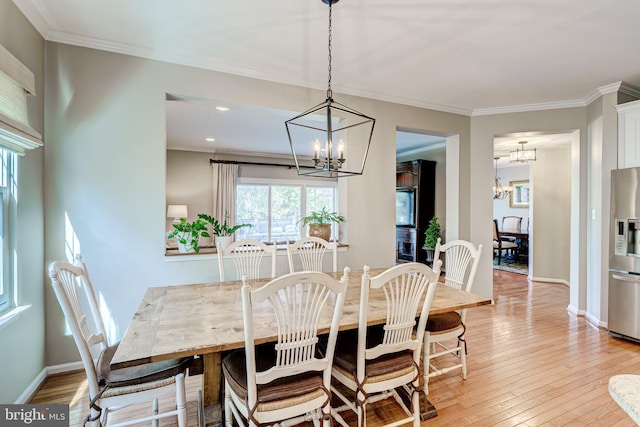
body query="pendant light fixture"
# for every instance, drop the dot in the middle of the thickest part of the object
(499, 192)
(522, 154)
(332, 137)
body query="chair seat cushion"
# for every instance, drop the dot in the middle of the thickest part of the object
(346, 351)
(134, 375)
(443, 321)
(235, 372)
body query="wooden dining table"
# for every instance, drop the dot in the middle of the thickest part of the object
(206, 319)
(521, 239)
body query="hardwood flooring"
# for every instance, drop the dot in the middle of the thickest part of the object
(530, 363)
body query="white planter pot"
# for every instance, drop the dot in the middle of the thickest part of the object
(185, 249)
(223, 241)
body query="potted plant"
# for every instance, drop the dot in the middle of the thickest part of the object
(319, 222)
(222, 230)
(431, 234)
(188, 234)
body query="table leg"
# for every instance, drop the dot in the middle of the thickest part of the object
(212, 379)
(427, 410)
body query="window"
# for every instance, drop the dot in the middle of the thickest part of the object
(7, 190)
(16, 138)
(275, 207)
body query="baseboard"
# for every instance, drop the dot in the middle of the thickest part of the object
(65, 367)
(573, 310)
(548, 280)
(595, 321)
(33, 387)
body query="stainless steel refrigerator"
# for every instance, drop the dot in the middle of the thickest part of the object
(624, 259)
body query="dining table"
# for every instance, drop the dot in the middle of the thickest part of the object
(521, 237)
(205, 320)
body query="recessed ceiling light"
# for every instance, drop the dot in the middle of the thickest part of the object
(210, 139)
(222, 108)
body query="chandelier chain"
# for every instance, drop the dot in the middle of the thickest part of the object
(329, 93)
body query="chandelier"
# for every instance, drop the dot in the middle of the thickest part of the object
(499, 192)
(334, 138)
(522, 154)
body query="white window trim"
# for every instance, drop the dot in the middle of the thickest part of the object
(304, 183)
(12, 315)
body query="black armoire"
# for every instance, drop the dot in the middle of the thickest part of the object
(417, 177)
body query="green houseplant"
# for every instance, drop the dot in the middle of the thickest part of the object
(319, 222)
(432, 234)
(188, 233)
(222, 230)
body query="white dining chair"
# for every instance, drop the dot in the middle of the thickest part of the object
(112, 389)
(461, 261)
(288, 381)
(246, 256)
(373, 362)
(310, 252)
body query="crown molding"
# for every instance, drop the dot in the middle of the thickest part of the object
(212, 65)
(629, 89)
(529, 107)
(40, 23)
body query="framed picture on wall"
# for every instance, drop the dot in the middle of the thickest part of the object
(520, 194)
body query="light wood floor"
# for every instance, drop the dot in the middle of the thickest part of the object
(530, 363)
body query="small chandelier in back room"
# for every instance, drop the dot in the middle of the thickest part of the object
(522, 154)
(499, 192)
(334, 137)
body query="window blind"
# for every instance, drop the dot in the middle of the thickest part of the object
(16, 81)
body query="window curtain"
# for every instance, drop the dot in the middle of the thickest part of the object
(16, 81)
(225, 179)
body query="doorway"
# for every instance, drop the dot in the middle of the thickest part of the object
(421, 171)
(547, 217)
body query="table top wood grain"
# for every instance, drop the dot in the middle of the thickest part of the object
(186, 320)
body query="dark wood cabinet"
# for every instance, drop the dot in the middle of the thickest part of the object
(405, 244)
(417, 176)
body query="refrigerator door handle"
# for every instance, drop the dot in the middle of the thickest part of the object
(626, 278)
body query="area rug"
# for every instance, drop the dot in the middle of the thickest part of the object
(512, 267)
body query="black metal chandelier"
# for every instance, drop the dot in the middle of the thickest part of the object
(332, 137)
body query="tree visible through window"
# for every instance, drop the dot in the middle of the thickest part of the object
(275, 208)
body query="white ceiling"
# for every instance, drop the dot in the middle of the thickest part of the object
(467, 57)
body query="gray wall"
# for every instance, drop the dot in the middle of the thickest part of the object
(106, 161)
(551, 215)
(484, 128)
(22, 356)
